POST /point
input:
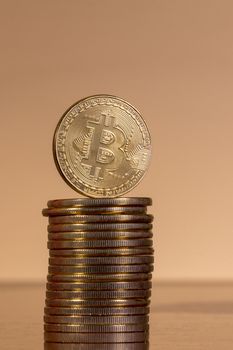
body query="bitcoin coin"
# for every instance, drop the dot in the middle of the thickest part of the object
(99, 320)
(80, 277)
(99, 285)
(102, 146)
(99, 294)
(95, 328)
(103, 252)
(135, 310)
(99, 202)
(76, 219)
(126, 337)
(99, 346)
(102, 260)
(94, 211)
(100, 269)
(95, 244)
(99, 227)
(99, 235)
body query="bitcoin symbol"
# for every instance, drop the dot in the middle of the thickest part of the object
(101, 150)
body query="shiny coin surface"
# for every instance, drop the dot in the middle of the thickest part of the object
(102, 146)
(99, 285)
(99, 320)
(76, 219)
(99, 235)
(96, 303)
(135, 310)
(99, 294)
(94, 211)
(102, 260)
(99, 346)
(80, 277)
(99, 202)
(93, 328)
(101, 252)
(99, 269)
(128, 337)
(140, 242)
(99, 227)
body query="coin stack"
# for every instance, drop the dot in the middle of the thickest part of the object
(99, 274)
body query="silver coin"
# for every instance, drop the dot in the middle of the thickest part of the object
(89, 303)
(101, 311)
(94, 210)
(99, 294)
(94, 328)
(126, 337)
(99, 277)
(99, 235)
(99, 202)
(107, 243)
(99, 346)
(99, 269)
(99, 320)
(99, 227)
(76, 219)
(101, 252)
(99, 285)
(103, 260)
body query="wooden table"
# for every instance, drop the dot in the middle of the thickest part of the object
(183, 316)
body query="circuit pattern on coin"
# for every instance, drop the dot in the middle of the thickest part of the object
(102, 146)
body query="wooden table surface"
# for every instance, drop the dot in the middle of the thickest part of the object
(183, 316)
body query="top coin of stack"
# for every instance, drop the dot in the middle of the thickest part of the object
(102, 146)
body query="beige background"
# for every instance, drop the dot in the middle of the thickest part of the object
(172, 59)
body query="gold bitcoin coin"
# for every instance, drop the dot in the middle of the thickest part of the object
(102, 146)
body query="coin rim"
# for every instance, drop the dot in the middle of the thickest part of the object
(102, 260)
(95, 202)
(97, 294)
(93, 328)
(92, 346)
(103, 210)
(98, 235)
(97, 337)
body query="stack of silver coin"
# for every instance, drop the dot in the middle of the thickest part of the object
(99, 274)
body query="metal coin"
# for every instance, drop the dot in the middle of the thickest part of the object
(126, 337)
(99, 269)
(140, 242)
(99, 202)
(99, 277)
(94, 303)
(76, 219)
(94, 210)
(99, 235)
(103, 260)
(99, 285)
(101, 252)
(99, 294)
(99, 346)
(99, 227)
(101, 311)
(102, 146)
(94, 328)
(99, 320)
